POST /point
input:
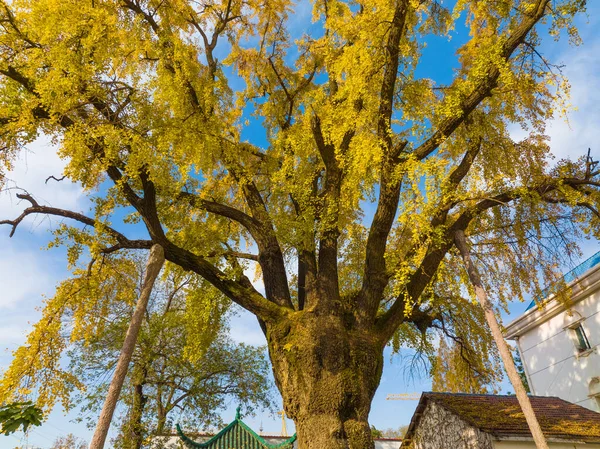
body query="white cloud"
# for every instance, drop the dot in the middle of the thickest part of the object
(24, 275)
(572, 139)
(11, 335)
(34, 165)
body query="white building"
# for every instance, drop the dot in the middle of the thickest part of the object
(559, 343)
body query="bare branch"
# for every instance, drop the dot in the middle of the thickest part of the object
(62, 178)
(36, 208)
(234, 254)
(252, 225)
(131, 244)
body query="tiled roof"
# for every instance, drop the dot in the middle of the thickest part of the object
(502, 415)
(237, 435)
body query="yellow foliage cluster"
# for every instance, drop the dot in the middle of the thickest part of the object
(77, 314)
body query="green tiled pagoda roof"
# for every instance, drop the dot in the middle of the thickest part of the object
(237, 435)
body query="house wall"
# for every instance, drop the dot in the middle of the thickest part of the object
(531, 445)
(441, 429)
(553, 364)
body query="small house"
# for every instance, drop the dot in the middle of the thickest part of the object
(479, 421)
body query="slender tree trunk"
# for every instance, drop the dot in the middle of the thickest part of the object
(507, 360)
(155, 262)
(161, 421)
(136, 426)
(327, 372)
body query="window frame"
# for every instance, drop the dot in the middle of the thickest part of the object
(580, 338)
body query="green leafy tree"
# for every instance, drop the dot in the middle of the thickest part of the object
(146, 100)
(19, 414)
(164, 387)
(181, 368)
(520, 369)
(375, 433)
(398, 432)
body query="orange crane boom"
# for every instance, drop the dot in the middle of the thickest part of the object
(284, 432)
(403, 397)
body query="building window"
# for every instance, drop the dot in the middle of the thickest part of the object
(581, 341)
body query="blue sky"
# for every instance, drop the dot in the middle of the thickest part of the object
(28, 271)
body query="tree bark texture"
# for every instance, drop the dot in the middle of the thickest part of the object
(327, 372)
(507, 360)
(161, 421)
(135, 431)
(155, 262)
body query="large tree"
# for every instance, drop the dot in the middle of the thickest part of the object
(351, 202)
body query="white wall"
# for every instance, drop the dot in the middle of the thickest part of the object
(551, 360)
(531, 445)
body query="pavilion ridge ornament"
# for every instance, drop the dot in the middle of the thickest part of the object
(237, 435)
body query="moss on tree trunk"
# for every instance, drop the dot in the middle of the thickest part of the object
(327, 370)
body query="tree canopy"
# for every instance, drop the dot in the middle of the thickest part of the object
(348, 205)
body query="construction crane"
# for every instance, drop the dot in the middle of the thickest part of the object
(284, 432)
(403, 397)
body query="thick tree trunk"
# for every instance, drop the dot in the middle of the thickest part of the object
(507, 360)
(327, 371)
(155, 262)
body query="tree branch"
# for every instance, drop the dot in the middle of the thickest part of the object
(327, 277)
(36, 208)
(270, 254)
(241, 292)
(390, 75)
(418, 281)
(484, 87)
(375, 277)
